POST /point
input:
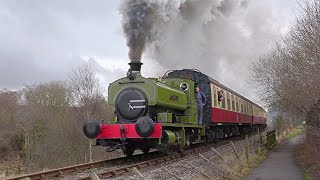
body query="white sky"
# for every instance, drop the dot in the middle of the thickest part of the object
(42, 40)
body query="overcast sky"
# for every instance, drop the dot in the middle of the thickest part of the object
(42, 40)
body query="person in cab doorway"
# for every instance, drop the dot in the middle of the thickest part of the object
(201, 101)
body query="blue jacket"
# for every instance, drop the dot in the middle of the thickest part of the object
(200, 99)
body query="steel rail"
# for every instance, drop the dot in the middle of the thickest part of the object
(85, 166)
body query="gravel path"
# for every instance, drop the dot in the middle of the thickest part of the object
(279, 165)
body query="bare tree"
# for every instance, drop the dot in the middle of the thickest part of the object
(44, 122)
(88, 100)
(288, 77)
(47, 124)
(8, 122)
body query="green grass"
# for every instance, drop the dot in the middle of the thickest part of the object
(296, 132)
(254, 162)
(307, 175)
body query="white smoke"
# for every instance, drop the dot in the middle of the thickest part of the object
(219, 37)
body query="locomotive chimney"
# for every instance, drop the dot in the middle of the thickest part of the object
(135, 66)
(135, 70)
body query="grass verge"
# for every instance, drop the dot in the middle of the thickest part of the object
(252, 163)
(295, 132)
(301, 161)
(307, 158)
(307, 175)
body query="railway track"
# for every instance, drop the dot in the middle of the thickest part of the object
(109, 169)
(87, 166)
(127, 169)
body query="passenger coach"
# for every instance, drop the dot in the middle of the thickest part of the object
(226, 112)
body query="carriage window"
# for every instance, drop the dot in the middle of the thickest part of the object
(228, 101)
(223, 103)
(228, 104)
(242, 108)
(237, 105)
(245, 108)
(233, 105)
(214, 94)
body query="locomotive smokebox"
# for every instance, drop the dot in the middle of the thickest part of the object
(135, 70)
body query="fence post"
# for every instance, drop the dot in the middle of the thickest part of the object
(236, 152)
(136, 172)
(94, 176)
(217, 153)
(247, 148)
(7, 171)
(217, 167)
(259, 143)
(268, 140)
(252, 144)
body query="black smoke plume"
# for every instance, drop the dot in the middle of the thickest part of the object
(137, 23)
